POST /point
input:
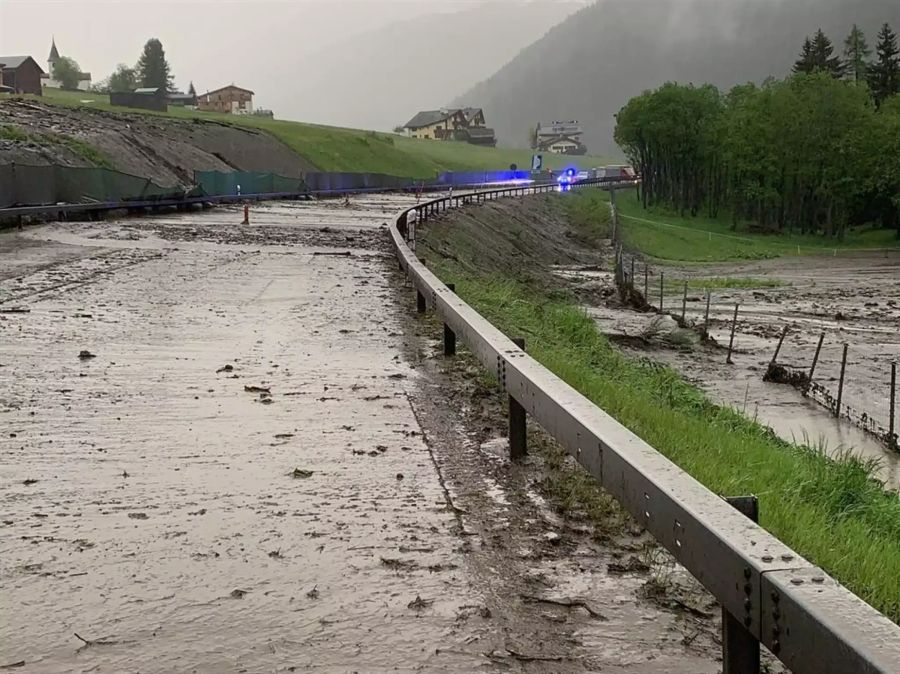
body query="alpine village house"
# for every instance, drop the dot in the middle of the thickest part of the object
(463, 124)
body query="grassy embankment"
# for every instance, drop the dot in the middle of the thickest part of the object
(338, 149)
(664, 235)
(831, 512)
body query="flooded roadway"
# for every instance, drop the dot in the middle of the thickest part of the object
(224, 450)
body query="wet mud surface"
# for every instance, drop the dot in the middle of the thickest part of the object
(853, 299)
(229, 449)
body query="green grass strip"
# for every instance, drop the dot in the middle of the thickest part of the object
(830, 511)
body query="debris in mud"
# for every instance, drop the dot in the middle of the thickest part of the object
(85, 355)
(553, 538)
(276, 554)
(94, 642)
(138, 516)
(29, 481)
(258, 389)
(301, 474)
(83, 315)
(440, 568)
(124, 473)
(567, 603)
(381, 448)
(523, 657)
(225, 368)
(633, 565)
(399, 476)
(15, 310)
(418, 603)
(665, 329)
(283, 436)
(398, 564)
(313, 593)
(343, 253)
(13, 665)
(238, 594)
(779, 374)
(397, 376)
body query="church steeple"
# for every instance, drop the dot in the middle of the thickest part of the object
(54, 52)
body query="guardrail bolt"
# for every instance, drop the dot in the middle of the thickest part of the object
(449, 335)
(518, 438)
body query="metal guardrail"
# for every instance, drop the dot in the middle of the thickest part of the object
(770, 595)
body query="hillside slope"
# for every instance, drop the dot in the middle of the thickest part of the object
(379, 80)
(588, 66)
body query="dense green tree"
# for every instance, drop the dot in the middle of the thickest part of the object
(152, 69)
(806, 154)
(856, 55)
(67, 72)
(884, 73)
(124, 79)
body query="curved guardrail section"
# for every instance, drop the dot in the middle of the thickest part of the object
(773, 595)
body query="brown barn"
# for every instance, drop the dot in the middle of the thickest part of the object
(231, 99)
(22, 74)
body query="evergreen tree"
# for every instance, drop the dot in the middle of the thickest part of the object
(884, 73)
(152, 68)
(824, 57)
(856, 55)
(191, 90)
(806, 62)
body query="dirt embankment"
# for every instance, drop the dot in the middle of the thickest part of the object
(166, 150)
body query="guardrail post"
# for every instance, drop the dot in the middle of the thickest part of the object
(518, 439)
(740, 649)
(449, 335)
(420, 302)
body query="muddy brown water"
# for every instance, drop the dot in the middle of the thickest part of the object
(853, 298)
(148, 494)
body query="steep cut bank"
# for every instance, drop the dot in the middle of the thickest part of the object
(830, 511)
(591, 64)
(165, 149)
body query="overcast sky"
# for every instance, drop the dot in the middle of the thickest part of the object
(254, 43)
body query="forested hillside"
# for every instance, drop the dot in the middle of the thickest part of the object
(587, 67)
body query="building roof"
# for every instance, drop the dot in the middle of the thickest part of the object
(230, 86)
(54, 52)
(147, 90)
(179, 96)
(559, 128)
(429, 118)
(470, 113)
(14, 62)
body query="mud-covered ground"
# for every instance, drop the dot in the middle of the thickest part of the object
(164, 149)
(852, 298)
(232, 448)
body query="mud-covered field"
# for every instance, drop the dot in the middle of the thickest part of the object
(235, 449)
(851, 298)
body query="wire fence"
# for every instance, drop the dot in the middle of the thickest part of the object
(646, 289)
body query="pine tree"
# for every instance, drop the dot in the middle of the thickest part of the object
(191, 90)
(856, 55)
(824, 57)
(152, 68)
(805, 64)
(884, 73)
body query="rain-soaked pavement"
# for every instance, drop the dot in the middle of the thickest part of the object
(228, 449)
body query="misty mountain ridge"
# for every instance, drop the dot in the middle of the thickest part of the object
(593, 62)
(381, 79)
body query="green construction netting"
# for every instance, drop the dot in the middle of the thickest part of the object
(23, 185)
(216, 183)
